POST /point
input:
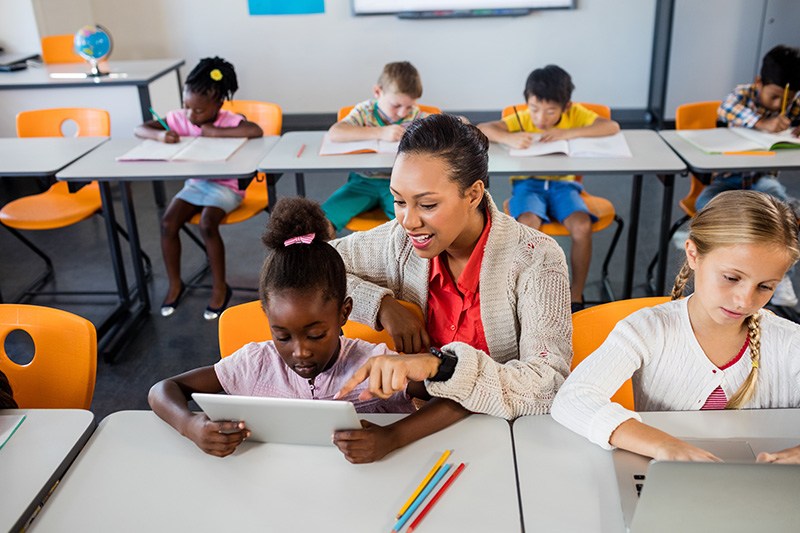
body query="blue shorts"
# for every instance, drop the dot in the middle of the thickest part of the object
(207, 193)
(547, 199)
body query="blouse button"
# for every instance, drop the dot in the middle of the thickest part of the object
(452, 327)
(714, 371)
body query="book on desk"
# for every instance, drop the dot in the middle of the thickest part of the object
(357, 147)
(198, 149)
(609, 146)
(732, 140)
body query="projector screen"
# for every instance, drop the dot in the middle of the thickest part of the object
(375, 7)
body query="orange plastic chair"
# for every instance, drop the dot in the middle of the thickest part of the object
(597, 205)
(270, 117)
(247, 322)
(591, 326)
(693, 116)
(59, 49)
(375, 217)
(56, 207)
(62, 371)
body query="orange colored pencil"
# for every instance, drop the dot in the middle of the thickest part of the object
(435, 498)
(747, 152)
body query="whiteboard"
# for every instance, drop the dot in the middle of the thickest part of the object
(374, 7)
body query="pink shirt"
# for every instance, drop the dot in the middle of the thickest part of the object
(180, 124)
(256, 369)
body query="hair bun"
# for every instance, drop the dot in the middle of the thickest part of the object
(292, 218)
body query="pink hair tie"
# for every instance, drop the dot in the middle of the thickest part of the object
(302, 239)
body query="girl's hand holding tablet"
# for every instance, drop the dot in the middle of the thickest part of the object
(215, 438)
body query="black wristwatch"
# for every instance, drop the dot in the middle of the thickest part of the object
(447, 364)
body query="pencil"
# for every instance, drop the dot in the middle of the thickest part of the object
(785, 99)
(300, 151)
(518, 119)
(421, 498)
(159, 119)
(435, 498)
(424, 482)
(748, 152)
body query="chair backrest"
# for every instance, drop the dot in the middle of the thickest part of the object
(431, 110)
(266, 114)
(62, 371)
(59, 49)
(697, 115)
(247, 322)
(591, 327)
(49, 122)
(603, 110)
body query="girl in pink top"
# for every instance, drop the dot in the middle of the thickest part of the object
(208, 85)
(303, 291)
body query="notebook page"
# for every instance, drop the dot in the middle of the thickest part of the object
(151, 150)
(8, 425)
(210, 149)
(541, 148)
(719, 140)
(767, 140)
(610, 146)
(352, 147)
(388, 147)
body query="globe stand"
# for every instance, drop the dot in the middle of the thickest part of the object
(94, 71)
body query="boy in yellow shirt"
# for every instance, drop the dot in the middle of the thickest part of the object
(551, 116)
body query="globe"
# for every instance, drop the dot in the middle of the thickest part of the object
(93, 43)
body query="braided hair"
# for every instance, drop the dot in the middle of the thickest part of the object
(213, 77)
(741, 217)
(301, 258)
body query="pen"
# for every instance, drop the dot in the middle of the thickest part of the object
(421, 498)
(435, 498)
(300, 151)
(518, 119)
(747, 152)
(785, 99)
(159, 119)
(424, 482)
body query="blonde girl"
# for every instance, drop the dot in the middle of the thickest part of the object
(716, 348)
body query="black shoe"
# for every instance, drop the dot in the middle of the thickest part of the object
(167, 308)
(212, 313)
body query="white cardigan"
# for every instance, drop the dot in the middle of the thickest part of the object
(657, 348)
(524, 293)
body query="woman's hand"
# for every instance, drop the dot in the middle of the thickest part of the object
(787, 456)
(389, 374)
(215, 438)
(365, 445)
(407, 330)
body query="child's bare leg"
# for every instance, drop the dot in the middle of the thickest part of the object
(529, 219)
(177, 214)
(579, 226)
(210, 219)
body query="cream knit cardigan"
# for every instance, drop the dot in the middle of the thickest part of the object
(524, 293)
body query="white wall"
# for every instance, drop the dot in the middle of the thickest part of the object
(317, 63)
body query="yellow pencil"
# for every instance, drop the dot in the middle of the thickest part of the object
(785, 99)
(424, 482)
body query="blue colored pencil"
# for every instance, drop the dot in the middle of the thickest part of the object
(421, 498)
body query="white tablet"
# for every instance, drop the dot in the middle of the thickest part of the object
(282, 420)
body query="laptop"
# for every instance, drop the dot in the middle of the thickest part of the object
(282, 420)
(737, 495)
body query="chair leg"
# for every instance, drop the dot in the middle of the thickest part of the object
(614, 240)
(651, 288)
(43, 278)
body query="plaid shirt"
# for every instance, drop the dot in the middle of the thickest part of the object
(742, 108)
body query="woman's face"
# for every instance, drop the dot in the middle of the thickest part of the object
(429, 205)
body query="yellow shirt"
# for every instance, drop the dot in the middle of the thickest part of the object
(576, 116)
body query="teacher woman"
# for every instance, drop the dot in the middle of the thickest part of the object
(494, 293)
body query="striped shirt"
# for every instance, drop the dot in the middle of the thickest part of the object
(718, 399)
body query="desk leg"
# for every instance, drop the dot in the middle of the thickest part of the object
(135, 244)
(633, 233)
(272, 190)
(113, 243)
(668, 180)
(300, 183)
(159, 191)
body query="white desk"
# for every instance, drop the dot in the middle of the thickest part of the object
(101, 165)
(284, 159)
(568, 484)
(650, 156)
(139, 474)
(42, 157)
(36, 456)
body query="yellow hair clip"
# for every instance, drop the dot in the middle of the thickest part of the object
(215, 74)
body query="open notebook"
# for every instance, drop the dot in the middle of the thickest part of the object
(610, 146)
(357, 147)
(726, 140)
(8, 425)
(188, 149)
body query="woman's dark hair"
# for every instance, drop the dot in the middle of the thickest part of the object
(6, 395)
(300, 266)
(462, 146)
(213, 77)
